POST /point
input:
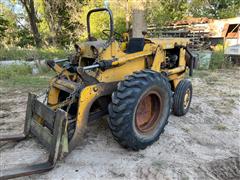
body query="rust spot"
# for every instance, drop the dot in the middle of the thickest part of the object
(148, 112)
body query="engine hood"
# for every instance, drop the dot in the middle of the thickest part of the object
(90, 48)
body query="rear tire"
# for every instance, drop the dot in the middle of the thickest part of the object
(182, 98)
(140, 109)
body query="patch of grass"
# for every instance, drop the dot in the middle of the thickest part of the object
(32, 54)
(8, 72)
(43, 69)
(21, 76)
(218, 60)
(220, 127)
(26, 81)
(185, 129)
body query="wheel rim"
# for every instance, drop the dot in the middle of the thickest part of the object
(187, 99)
(148, 112)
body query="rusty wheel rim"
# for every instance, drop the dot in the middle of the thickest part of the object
(148, 112)
(187, 99)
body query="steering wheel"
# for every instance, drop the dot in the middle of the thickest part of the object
(117, 35)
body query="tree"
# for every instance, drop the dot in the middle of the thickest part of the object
(60, 16)
(3, 26)
(51, 10)
(8, 26)
(63, 22)
(100, 20)
(31, 12)
(217, 9)
(162, 12)
(138, 20)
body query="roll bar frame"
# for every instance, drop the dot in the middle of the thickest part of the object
(111, 21)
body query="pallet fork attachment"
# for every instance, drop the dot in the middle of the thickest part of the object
(49, 138)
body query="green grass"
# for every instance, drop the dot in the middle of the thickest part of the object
(32, 54)
(218, 60)
(8, 72)
(185, 129)
(21, 76)
(220, 127)
(26, 82)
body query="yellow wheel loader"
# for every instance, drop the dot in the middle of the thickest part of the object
(137, 84)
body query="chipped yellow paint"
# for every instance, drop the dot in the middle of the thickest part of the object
(176, 78)
(53, 96)
(86, 97)
(182, 61)
(118, 73)
(158, 59)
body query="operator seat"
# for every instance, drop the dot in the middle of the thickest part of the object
(135, 45)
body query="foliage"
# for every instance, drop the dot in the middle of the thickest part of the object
(30, 9)
(162, 12)
(33, 54)
(218, 60)
(60, 17)
(119, 14)
(7, 26)
(25, 38)
(61, 23)
(3, 26)
(100, 20)
(215, 8)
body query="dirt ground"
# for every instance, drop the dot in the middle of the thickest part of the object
(204, 144)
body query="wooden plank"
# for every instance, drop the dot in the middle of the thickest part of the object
(58, 130)
(44, 112)
(42, 134)
(28, 116)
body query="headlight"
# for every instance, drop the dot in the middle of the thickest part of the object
(94, 51)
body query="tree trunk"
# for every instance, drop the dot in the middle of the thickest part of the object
(49, 15)
(30, 9)
(127, 15)
(139, 22)
(54, 18)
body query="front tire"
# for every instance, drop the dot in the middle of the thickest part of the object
(140, 109)
(182, 98)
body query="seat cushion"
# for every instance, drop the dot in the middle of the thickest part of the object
(135, 45)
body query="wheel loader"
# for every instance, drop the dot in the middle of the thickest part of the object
(137, 84)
